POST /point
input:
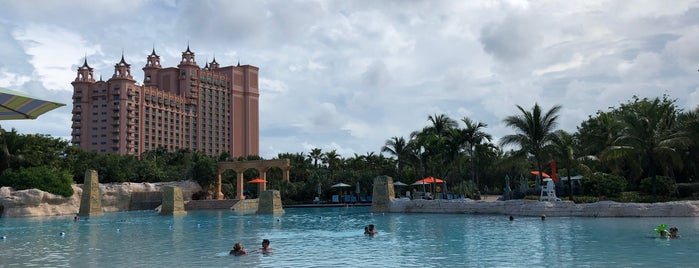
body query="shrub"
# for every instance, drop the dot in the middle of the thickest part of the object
(630, 197)
(690, 190)
(664, 186)
(585, 199)
(49, 179)
(601, 184)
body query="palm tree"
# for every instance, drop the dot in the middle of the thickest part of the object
(534, 131)
(650, 135)
(332, 159)
(315, 155)
(474, 136)
(398, 147)
(437, 139)
(563, 148)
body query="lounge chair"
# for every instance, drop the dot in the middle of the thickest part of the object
(336, 198)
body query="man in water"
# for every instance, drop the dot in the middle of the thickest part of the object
(265, 246)
(674, 232)
(369, 230)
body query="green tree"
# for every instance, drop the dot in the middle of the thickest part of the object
(650, 136)
(534, 131)
(316, 155)
(398, 147)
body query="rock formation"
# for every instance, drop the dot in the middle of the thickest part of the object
(173, 204)
(114, 197)
(91, 200)
(270, 203)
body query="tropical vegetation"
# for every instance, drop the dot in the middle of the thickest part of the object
(643, 150)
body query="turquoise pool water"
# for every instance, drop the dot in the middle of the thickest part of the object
(331, 237)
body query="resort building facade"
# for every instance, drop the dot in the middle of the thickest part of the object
(211, 110)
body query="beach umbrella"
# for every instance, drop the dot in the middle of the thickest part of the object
(17, 105)
(257, 180)
(543, 174)
(340, 185)
(431, 180)
(398, 183)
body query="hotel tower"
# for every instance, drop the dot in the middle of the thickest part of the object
(211, 110)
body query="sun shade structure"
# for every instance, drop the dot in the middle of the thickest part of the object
(430, 180)
(257, 180)
(17, 105)
(543, 174)
(340, 185)
(398, 183)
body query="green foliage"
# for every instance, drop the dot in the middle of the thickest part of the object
(600, 184)
(660, 185)
(52, 180)
(685, 190)
(629, 197)
(585, 199)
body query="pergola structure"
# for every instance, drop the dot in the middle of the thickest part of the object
(260, 165)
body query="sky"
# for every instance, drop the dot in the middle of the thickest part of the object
(349, 75)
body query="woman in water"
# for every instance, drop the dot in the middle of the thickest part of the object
(238, 250)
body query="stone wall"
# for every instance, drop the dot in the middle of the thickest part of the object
(115, 197)
(550, 209)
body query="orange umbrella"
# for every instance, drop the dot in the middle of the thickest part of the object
(257, 180)
(543, 174)
(430, 180)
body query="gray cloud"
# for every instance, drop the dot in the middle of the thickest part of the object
(348, 75)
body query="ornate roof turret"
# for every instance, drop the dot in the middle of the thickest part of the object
(152, 54)
(123, 62)
(214, 64)
(122, 70)
(85, 73)
(188, 58)
(85, 66)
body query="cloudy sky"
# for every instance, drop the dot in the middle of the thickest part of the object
(348, 75)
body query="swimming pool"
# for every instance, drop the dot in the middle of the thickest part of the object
(326, 237)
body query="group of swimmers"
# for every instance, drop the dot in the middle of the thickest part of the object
(673, 232)
(239, 250)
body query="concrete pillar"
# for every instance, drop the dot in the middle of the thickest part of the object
(382, 194)
(173, 203)
(270, 202)
(239, 185)
(91, 200)
(285, 173)
(219, 194)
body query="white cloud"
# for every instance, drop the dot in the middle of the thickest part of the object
(348, 75)
(9, 79)
(53, 52)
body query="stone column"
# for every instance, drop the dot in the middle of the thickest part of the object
(270, 202)
(239, 185)
(285, 173)
(219, 194)
(91, 200)
(262, 186)
(382, 194)
(173, 203)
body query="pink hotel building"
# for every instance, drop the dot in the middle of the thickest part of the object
(211, 110)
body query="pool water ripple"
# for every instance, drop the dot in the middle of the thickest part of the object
(328, 237)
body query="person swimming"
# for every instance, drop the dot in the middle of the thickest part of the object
(265, 246)
(369, 230)
(238, 250)
(674, 232)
